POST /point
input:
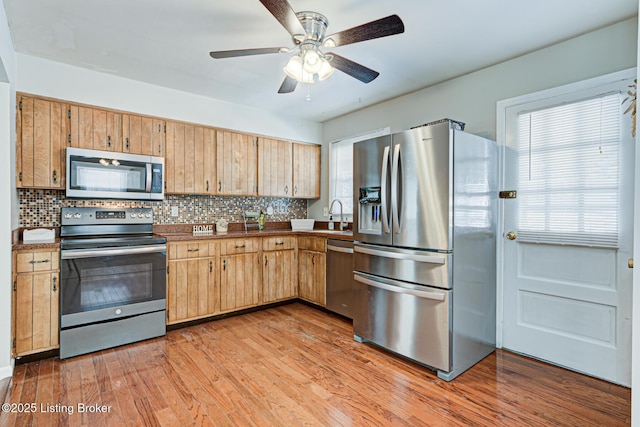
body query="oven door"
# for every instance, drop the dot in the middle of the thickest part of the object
(109, 283)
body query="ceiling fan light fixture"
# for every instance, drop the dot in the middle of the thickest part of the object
(325, 70)
(295, 70)
(312, 62)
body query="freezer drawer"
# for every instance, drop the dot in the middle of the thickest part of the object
(413, 321)
(421, 267)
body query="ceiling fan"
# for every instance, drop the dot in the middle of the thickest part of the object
(307, 31)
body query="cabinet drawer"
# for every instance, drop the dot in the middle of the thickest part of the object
(33, 261)
(278, 243)
(312, 243)
(193, 249)
(238, 246)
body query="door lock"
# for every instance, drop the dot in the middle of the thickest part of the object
(512, 235)
(630, 263)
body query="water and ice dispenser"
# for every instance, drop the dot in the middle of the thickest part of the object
(370, 211)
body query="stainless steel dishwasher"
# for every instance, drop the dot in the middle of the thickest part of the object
(340, 277)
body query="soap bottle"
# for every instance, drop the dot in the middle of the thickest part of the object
(330, 222)
(261, 221)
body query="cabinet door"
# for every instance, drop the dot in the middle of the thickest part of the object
(279, 276)
(175, 158)
(131, 134)
(42, 131)
(311, 277)
(275, 168)
(192, 290)
(239, 281)
(236, 164)
(36, 313)
(204, 160)
(306, 171)
(189, 159)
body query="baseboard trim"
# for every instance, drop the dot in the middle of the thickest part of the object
(6, 371)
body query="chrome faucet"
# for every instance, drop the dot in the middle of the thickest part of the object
(343, 224)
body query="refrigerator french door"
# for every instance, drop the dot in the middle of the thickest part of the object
(402, 185)
(424, 254)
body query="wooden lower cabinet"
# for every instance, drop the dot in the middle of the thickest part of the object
(279, 269)
(193, 290)
(36, 301)
(312, 276)
(239, 281)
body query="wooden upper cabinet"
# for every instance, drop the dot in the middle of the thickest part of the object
(190, 159)
(95, 129)
(236, 164)
(275, 167)
(143, 135)
(42, 128)
(306, 171)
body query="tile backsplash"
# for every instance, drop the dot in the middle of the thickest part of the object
(41, 208)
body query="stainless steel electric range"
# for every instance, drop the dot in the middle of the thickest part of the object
(113, 279)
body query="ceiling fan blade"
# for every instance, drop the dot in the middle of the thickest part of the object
(219, 54)
(354, 69)
(282, 11)
(288, 85)
(371, 30)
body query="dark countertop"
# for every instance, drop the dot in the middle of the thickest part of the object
(176, 236)
(182, 236)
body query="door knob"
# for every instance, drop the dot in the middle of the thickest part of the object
(512, 235)
(630, 263)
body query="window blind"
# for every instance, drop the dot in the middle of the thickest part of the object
(568, 173)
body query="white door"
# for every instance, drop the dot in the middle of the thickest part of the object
(567, 235)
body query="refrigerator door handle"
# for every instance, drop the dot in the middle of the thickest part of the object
(403, 256)
(384, 190)
(397, 287)
(394, 189)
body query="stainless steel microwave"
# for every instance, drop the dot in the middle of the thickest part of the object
(93, 174)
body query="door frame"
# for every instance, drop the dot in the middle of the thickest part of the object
(501, 137)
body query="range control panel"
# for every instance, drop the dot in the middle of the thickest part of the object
(94, 216)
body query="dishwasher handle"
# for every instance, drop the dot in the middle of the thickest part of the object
(399, 288)
(339, 249)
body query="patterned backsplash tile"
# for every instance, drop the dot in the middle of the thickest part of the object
(41, 208)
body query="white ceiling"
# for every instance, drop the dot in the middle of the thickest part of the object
(167, 43)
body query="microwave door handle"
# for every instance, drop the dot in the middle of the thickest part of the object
(148, 187)
(395, 189)
(384, 189)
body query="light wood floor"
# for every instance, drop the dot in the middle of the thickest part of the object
(295, 365)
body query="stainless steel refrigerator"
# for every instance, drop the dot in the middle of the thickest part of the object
(425, 204)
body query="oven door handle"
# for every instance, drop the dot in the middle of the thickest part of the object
(101, 252)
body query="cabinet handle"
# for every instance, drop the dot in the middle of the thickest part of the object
(239, 246)
(265, 260)
(207, 185)
(193, 250)
(210, 266)
(279, 243)
(286, 189)
(108, 140)
(159, 148)
(219, 185)
(55, 287)
(313, 259)
(127, 146)
(295, 189)
(224, 264)
(33, 261)
(55, 177)
(159, 128)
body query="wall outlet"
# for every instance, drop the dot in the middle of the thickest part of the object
(174, 211)
(325, 211)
